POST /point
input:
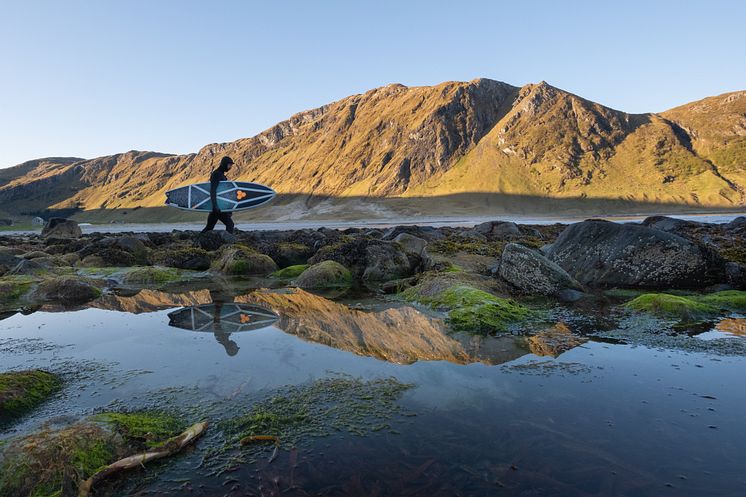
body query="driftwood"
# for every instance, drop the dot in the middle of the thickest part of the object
(168, 448)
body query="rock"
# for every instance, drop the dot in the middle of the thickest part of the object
(10, 264)
(132, 244)
(412, 244)
(290, 272)
(737, 223)
(21, 391)
(605, 254)
(66, 290)
(669, 224)
(325, 274)
(192, 258)
(428, 233)
(58, 227)
(569, 295)
(554, 341)
(34, 254)
(735, 274)
(499, 230)
(398, 286)
(240, 260)
(532, 273)
(368, 259)
(384, 262)
(70, 259)
(213, 240)
(674, 306)
(107, 257)
(471, 309)
(289, 254)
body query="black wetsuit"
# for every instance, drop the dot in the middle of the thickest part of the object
(216, 215)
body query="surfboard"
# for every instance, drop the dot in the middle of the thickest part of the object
(231, 196)
(226, 318)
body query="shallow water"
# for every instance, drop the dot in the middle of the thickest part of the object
(484, 416)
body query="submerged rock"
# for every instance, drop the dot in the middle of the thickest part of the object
(66, 290)
(58, 227)
(21, 391)
(532, 273)
(554, 341)
(606, 254)
(239, 260)
(325, 274)
(56, 461)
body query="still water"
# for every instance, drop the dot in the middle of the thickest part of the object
(485, 416)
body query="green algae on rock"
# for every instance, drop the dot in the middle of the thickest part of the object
(325, 274)
(54, 462)
(473, 310)
(21, 391)
(290, 272)
(321, 408)
(142, 429)
(689, 307)
(240, 260)
(148, 275)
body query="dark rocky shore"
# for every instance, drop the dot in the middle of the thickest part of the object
(488, 280)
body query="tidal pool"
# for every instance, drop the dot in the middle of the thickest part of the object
(480, 416)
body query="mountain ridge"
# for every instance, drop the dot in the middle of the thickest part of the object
(396, 141)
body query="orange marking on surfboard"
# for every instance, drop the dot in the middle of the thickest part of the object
(240, 195)
(245, 318)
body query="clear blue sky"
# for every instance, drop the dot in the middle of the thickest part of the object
(91, 78)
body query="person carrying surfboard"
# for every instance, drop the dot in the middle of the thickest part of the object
(216, 215)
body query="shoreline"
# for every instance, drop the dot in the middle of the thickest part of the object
(431, 221)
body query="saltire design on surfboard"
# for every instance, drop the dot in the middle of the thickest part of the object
(231, 196)
(227, 318)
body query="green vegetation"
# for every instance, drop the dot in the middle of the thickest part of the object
(21, 391)
(473, 310)
(53, 463)
(150, 276)
(290, 272)
(691, 307)
(13, 287)
(325, 274)
(321, 408)
(143, 429)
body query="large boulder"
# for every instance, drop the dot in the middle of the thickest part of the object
(532, 273)
(325, 274)
(58, 227)
(66, 290)
(242, 261)
(369, 259)
(670, 224)
(213, 240)
(412, 244)
(606, 254)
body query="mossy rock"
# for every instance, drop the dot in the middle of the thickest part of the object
(690, 308)
(729, 300)
(143, 429)
(239, 260)
(290, 254)
(13, 288)
(107, 257)
(193, 258)
(473, 310)
(326, 274)
(21, 391)
(290, 272)
(67, 290)
(150, 276)
(55, 462)
(673, 306)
